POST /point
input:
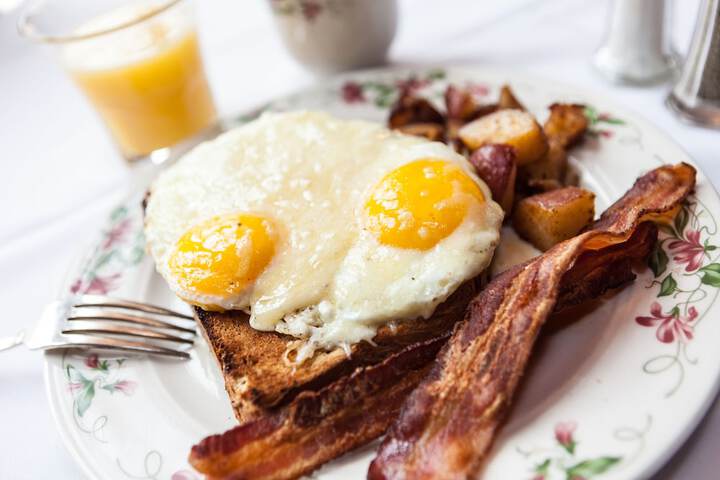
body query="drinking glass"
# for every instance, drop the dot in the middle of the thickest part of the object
(138, 62)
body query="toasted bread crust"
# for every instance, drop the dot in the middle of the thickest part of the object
(259, 380)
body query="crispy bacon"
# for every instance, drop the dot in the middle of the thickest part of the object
(318, 426)
(597, 271)
(448, 423)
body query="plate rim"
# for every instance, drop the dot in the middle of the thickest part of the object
(660, 458)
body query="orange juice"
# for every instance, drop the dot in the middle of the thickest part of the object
(146, 81)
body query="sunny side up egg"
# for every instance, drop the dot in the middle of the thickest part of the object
(320, 228)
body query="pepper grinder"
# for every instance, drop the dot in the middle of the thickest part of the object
(636, 49)
(696, 96)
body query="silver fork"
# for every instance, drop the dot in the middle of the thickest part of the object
(100, 322)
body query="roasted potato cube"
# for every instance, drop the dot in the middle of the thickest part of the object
(410, 109)
(461, 108)
(572, 177)
(459, 104)
(540, 185)
(552, 166)
(513, 127)
(495, 164)
(431, 131)
(548, 218)
(508, 99)
(456, 145)
(566, 124)
(452, 127)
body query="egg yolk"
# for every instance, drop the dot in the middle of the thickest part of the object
(417, 205)
(223, 255)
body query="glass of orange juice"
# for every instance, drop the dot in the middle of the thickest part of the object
(138, 62)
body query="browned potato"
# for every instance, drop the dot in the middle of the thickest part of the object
(459, 104)
(461, 108)
(513, 127)
(572, 177)
(452, 127)
(548, 218)
(410, 109)
(540, 185)
(566, 124)
(552, 166)
(431, 131)
(495, 164)
(508, 99)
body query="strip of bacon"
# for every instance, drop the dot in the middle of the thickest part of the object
(318, 426)
(597, 271)
(447, 424)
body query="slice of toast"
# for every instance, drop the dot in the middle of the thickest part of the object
(259, 379)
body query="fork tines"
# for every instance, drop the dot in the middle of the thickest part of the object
(95, 313)
(104, 301)
(97, 321)
(98, 342)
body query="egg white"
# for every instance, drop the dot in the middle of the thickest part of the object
(330, 281)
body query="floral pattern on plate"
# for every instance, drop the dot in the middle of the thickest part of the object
(93, 376)
(90, 392)
(686, 273)
(599, 122)
(122, 246)
(562, 462)
(383, 93)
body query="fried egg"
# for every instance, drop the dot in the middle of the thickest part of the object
(320, 228)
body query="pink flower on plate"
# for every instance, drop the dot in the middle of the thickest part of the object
(564, 434)
(74, 386)
(76, 286)
(689, 251)
(91, 361)
(671, 326)
(310, 9)
(98, 284)
(125, 386)
(117, 233)
(352, 92)
(411, 85)
(478, 89)
(183, 475)
(102, 285)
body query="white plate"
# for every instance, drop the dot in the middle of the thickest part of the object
(604, 396)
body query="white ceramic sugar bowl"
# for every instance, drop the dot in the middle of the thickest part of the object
(334, 35)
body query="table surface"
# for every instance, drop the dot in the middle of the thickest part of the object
(60, 173)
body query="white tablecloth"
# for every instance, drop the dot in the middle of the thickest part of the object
(59, 173)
